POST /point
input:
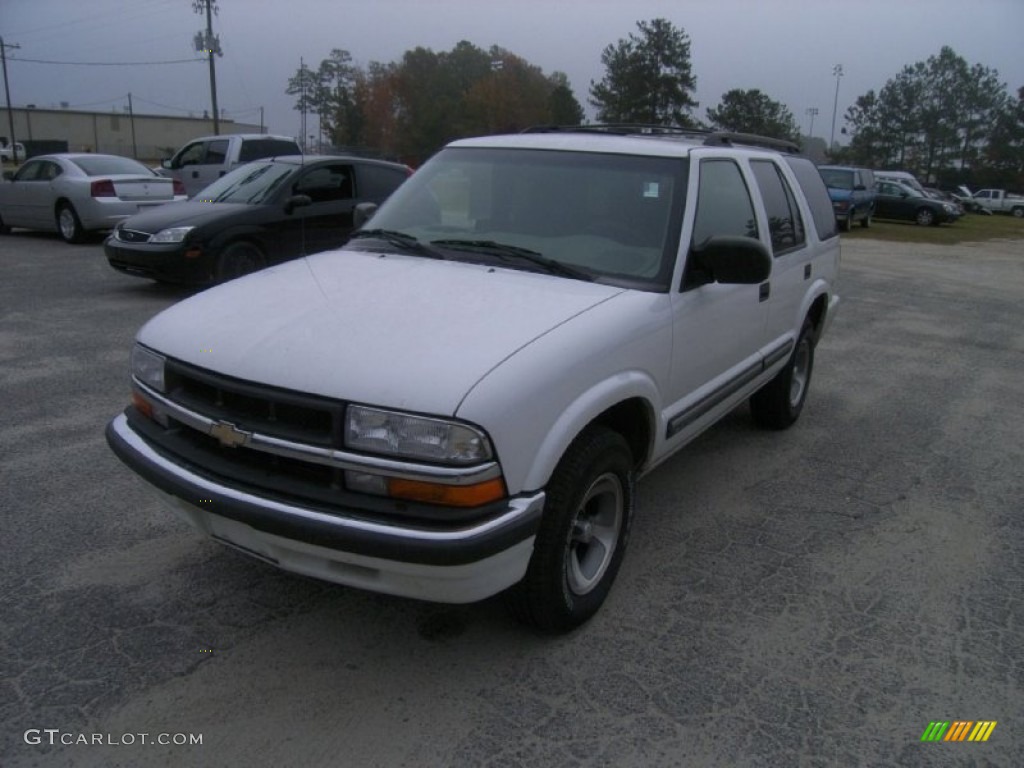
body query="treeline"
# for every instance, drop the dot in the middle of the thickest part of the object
(409, 109)
(944, 120)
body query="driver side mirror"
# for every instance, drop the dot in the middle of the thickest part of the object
(731, 260)
(296, 201)
(167, 164)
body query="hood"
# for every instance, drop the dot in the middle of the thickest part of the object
(391, 330)
(184, 214)
(839, 195)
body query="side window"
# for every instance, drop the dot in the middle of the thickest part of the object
(983, 194)
(49, 171)
(784, 222)
(30, 171)
(377, 182)
(723, 203)
(216, 152)
(816, 194)
(192, 154)
(326, 184)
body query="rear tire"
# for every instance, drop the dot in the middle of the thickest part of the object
(1018, 212)
(582, 536)
(778, 404)
(69, 225)
(4, 229)
(239, 259)
(844, 224)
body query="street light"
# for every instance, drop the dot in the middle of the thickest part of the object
(813, 112)
(837, 72)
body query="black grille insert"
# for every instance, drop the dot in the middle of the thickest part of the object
(275, 412)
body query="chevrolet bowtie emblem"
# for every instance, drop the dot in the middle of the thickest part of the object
(229, 435)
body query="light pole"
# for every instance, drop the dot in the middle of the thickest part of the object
(813, 112)
(837, 72)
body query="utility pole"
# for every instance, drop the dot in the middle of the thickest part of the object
(302, 100)
(261, 120)
(131, 119)
(209, 43)
(7, 91)
(837, 72)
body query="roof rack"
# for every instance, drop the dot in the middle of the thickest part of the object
(710, 138)
(730, 139)
(620, 129)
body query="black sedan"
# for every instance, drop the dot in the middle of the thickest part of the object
(898, 201)
(263, 213)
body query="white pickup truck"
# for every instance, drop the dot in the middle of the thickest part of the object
(459, 401)
(202, 161)
(15, 152)
(999, 201)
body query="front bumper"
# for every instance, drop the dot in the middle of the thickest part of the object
(165, 262)
(456, 565)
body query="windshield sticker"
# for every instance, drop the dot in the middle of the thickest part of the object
(651, 189)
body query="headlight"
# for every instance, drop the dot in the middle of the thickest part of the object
(171, 235)
(949, 208)
(414, 437)
(148, 367)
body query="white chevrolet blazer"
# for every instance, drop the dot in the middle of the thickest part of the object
(459, 401)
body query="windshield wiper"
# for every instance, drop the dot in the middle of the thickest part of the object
(400, 240)
(515, 252)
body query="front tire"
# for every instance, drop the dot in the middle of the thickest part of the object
(582, 536)
(239, 259)
(866, 221)
(1018, 212)
(777, 405)
(69, 225)
(925, 217)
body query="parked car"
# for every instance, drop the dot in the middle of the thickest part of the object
(853, 194)
(999, 201)
(262, 213)
(898, 201)
(15, 152)
(458, 402)
(202, 161)
(74, 194)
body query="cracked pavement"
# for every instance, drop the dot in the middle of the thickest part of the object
(808, 598)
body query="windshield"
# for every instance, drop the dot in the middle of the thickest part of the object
(613, 217)
(251, 184)
(100, 165)
(836, 179)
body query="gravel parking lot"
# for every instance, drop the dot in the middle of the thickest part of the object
(810, 598)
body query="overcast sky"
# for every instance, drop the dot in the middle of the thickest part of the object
(786, 48)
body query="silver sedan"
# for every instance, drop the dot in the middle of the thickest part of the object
(73, 194)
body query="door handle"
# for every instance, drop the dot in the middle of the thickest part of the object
(764, 291)
(195, 174)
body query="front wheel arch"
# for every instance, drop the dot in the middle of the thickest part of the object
(582, 536)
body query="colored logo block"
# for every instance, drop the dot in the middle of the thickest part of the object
(958, 730)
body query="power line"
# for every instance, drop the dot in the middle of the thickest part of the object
(106, 63)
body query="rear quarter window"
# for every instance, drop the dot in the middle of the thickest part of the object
(257, 149)
(816, 193)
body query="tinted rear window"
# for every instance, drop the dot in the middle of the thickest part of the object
(376, 182)
(810, 182)
(256, 149)
(110, 165)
